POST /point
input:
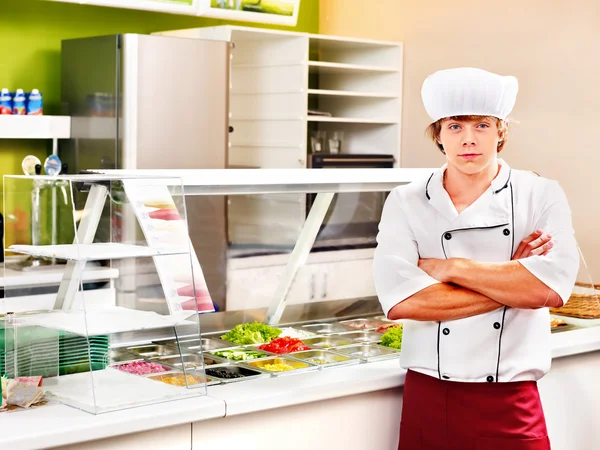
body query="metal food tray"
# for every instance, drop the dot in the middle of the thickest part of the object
(194, 344)
(366, 324)
(333, 359)
(241, 349)
(298, 366)
(325, 342)
(119, 356)
(153, 350)
(361, 336)
(248, 374)
(385, 319)
(299, 331)
(325, 328)
(189, 361)
(368, 352)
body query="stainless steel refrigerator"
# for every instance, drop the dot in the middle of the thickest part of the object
(153, 102)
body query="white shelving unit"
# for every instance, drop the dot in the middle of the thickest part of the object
(36, 127)
(276, 77)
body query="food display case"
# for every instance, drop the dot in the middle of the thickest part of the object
(294, 309)
(85, 350)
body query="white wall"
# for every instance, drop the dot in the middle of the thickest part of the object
(551, 46)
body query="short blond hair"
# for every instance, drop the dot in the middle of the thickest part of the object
(433, 130)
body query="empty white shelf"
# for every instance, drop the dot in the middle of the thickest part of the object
(351, 120)
(351, 93)
(264, 145)
(52, 275)
(35, 127)
(329, 67)
(99, 320)
(337, 43)
(266, 119)
(94, 252)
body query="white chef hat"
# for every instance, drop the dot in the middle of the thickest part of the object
(468, 91)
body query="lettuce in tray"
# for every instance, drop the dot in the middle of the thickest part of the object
(251, 333)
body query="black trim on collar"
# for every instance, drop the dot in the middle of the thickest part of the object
(506, 184)
(495, 192)
(427, 187)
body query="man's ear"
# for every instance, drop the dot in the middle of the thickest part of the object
(503, 130)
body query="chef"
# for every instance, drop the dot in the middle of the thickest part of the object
(471, 258)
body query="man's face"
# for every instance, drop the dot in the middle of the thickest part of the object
(471, 145)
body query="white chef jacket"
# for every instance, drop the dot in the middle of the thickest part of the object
(420, 221)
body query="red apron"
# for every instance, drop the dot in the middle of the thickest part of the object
(447, 415)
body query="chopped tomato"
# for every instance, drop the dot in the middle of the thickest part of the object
(284, 345)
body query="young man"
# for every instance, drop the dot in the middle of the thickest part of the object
(471, 258)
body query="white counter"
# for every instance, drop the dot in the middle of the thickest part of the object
(58, 425)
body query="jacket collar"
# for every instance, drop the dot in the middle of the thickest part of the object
(439, 198)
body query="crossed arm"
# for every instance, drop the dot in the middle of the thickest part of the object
(470, 288)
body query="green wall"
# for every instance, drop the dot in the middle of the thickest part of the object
(30, 36)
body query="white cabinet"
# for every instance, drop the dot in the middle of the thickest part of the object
(277, 76)
(255, 287)
(347, 279)
(251, 282)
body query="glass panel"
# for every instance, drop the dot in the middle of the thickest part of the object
(93, 277)
(313, 251)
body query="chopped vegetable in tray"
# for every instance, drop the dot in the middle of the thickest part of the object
(364, 324)
(295, 333)
(223, 373)
(392, 338)
(358, 325)
(179, 380)
(284, 345)
(239, 355)
(142, 368)
(251, 333)
(384, 328)
(280, 367)
(318, 361)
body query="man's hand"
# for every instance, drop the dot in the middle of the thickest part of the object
(437, 268)
(537, 243)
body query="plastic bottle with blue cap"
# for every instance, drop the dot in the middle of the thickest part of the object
(34, 103)
(6, 104)
(20, 103)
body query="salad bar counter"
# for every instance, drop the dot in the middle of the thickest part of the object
(253, 350)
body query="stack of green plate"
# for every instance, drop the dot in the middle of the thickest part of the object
(44, 352)
(74, 356)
